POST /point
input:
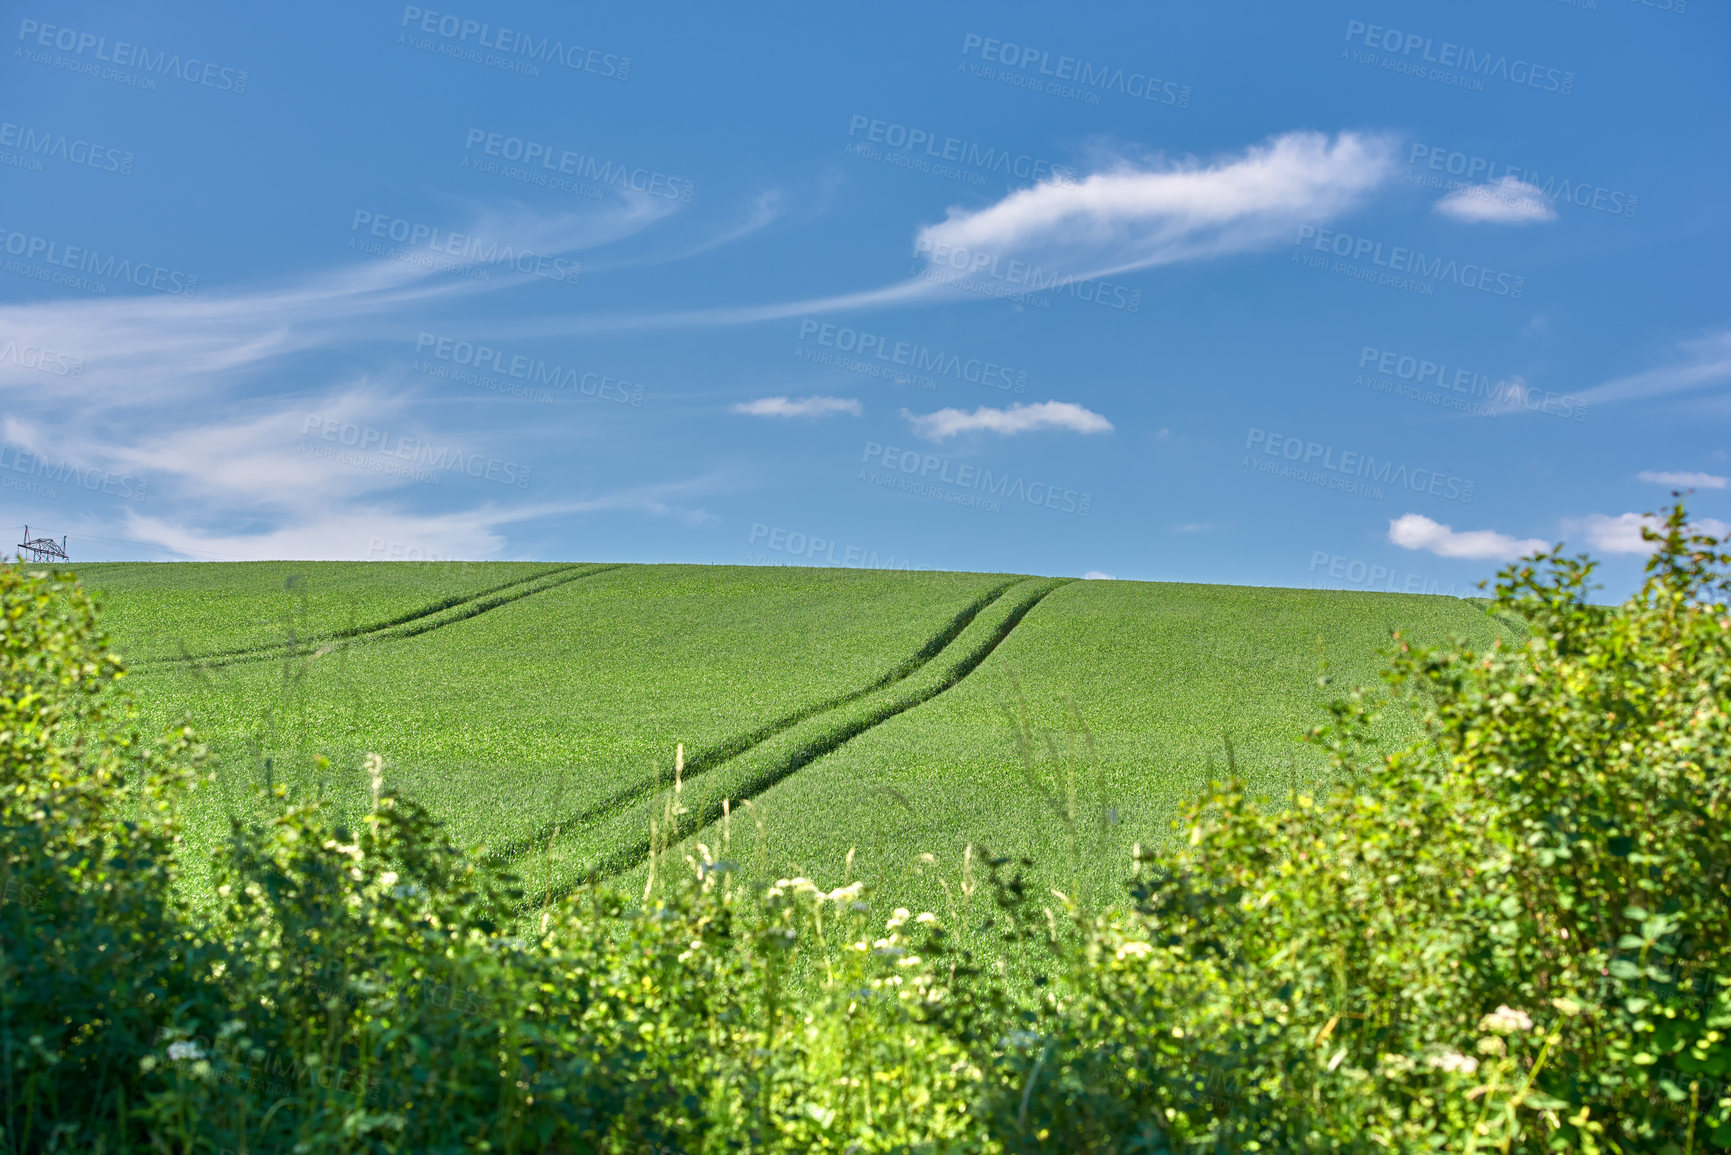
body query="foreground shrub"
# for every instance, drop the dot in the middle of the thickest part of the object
(1514, 934)
(1510, 935)
(92, 949)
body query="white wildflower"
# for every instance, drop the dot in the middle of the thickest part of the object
(1454, 1061)
(1506, 1020)
(375, 766)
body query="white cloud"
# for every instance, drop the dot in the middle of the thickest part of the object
(1095, 575)
(1016, 419)
(1137, 217)
(1622, 533)
(263, 487)
(766, 209)
(1684, 480)
(1705, 362)
(799, 407)
(1505, 201)
(1416, 531)
(1129, 217)
(140, 351)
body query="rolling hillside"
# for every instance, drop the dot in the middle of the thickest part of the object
(536, 707)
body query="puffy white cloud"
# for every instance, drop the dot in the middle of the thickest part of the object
(1505, 201)
(1132, 217)
(1016, 419)
(799, 407)
(1416, 531)
(1622, 533)
(1095, 575)
(1683, 480)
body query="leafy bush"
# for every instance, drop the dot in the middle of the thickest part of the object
(1511, 934)
(1515, 933)
(92, 950)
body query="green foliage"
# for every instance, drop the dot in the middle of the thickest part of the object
(1514, 933)
(91, 947)
(1511, 933)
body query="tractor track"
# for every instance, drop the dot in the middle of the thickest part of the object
(704, 760)
(419, 621)
(743, 781)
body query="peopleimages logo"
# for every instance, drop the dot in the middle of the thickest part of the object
(1398, 259)
(1349, 470)
(84, 260)
(1483, 65)
(949, 148)
(1500, 396)
(535, 370)
(93, 480)
(907, 355)
(468, 250)
(1371, 575)
(459, 32)
(564, 162)
(816, 550)
(125, 55)
(1466, 169)
(41, 359)
(49, 145)
(929, 469)
(1099, 78)
(393, 449)
(957, 265)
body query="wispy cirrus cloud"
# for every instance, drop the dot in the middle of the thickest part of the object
(799, 407)
(383, 531)
(1505, 201)
(946, 423)
(1700, 363)
(1133, 214)
(258, 487)
(1684, 480)
(154, 368)
(143, 351)
(1418, 532)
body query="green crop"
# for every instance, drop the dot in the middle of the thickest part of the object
(1128, 697)
(537, 708)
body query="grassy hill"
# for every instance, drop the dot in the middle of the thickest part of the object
(536, 707)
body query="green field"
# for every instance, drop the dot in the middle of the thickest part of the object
(536, 707)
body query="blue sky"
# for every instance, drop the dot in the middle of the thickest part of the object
(1370, 295)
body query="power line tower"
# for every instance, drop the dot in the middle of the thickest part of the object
(42, 548)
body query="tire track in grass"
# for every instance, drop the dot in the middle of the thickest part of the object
(703, 760)
(353, 631)
(620, 842)
(411, 625)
